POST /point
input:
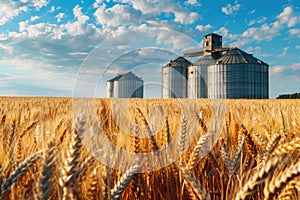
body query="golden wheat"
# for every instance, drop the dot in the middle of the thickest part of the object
(43, 154)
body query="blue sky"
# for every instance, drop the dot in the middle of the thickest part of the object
(66, 48)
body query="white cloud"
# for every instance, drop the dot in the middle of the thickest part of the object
(193, 2)
(117, 15)
(231, 9)
(38, 4)
(252, 11)
(203, 29)
(52, 9)
(288, 17)
(284, 53)
(295, 32)
(60, 16)
(98, 3)
(34, 18)
(185, 17)
(6, 48)
(76, 28)
(149, 8)
(297, 46)
(259, 21)
(9, 10)
(277, 71)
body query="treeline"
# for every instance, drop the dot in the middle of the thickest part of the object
(289, 96)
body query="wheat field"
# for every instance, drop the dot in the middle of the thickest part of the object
(254, 153)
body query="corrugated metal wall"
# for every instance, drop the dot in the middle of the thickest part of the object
(130, 89)
(197, 81)
(124, 89)
(238, 81)
(174, 80)
(109, 89)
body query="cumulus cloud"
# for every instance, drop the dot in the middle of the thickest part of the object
(60, 16)
(150, 8)
(193, 2)
(267, 31)
(185, 17)
(284, 53)
(38, 4)
(33, 18)
(277, 70)
(52, 9)
(295, 32)
(287, 17)
(117, 15)
(203, 28)
(76, 27)
(280, 71)
(258, 21)
(231, 9)
(10, 9)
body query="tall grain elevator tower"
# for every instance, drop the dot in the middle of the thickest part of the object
(211, 43)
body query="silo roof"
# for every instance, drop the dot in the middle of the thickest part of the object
(237, 56)
(205, 60)
(180, 61)
(126, 76)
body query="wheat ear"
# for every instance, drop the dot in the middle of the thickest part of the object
(92, 188)
(289, 190)
(278, 182)
(287, 147)
(194, 157)
(46, 179)
(19, 172)
(257, 177)
(67, 181)
(120, 186)
(182, 139)
(190, 179)
(231, 164)
(149, 130)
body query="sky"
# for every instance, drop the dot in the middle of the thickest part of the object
(71, 48)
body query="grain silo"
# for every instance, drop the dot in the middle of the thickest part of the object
(197, 77)
(238, 75)
(126, 85)
(174, 78)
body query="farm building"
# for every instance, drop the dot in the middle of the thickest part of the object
(233, 74)
(126, 85)
(174, 78)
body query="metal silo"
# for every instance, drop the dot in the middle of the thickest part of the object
(197, 77)
(126, 85)
(238, 75)
(174, 78)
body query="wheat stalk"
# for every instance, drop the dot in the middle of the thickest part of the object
(19, 172)
(124, 180)
(190, 179)
(257, 177)
(92, 187)
(277, 183)
(182, 139)
(194, 157)
(67, 181)
(46, 182)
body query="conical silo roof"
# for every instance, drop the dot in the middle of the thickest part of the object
(126, 76)
(205, 60)
(180, 61)
(237, 56)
